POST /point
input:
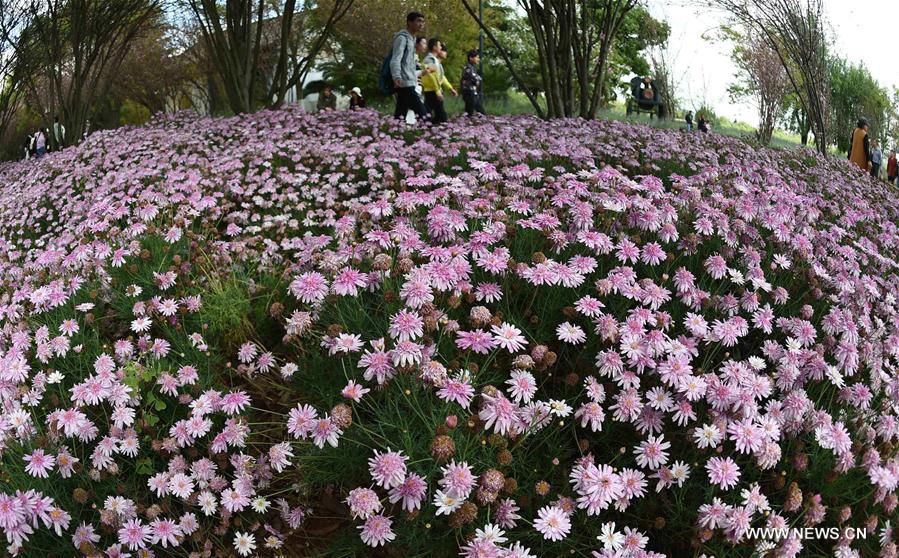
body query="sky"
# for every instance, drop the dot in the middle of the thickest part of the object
(862, 31)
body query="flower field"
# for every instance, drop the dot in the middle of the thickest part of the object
(294, 335)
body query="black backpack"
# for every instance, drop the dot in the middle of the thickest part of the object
(385, 79)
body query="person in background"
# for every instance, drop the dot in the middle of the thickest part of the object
(40, 144)
(357, 101)
(876, 159)
(688, 118)
(892, 167)
(59, 134)
(702, 124)
(859, 147)
(434, 80)
(471, 84)
(29, 140)
(403, 63)
(326, 99)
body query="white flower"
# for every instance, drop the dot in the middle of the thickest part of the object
(610, 538)
(570, 333)
(559, 408)
(244, 543)
(207, 502)
(707, 436)
(680, 472)
(260, 505)
(834, 374)
(757, 362)
(491, 533)
(446, 503)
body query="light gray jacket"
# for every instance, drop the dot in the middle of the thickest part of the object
(402, 63)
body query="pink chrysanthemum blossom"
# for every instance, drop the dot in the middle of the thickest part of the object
(377, 531)
(411, 491)
(723, 472)
(552, 523)
(509, 337)
(388, 469)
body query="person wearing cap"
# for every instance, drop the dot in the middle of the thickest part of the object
(471, 84)
(357, 101)
(859, 148)
(433, 81)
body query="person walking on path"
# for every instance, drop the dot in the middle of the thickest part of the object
(434, 80)
(688, 118)
(892, 167)
(59, 134)
(876, 159)
(471, 84)
(357, 101)
(402, 67)
(859, 148)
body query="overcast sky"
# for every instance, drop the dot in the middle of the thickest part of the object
(864, 30)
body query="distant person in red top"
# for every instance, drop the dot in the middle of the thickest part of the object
(892, 167)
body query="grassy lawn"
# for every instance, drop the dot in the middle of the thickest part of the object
(517, 103)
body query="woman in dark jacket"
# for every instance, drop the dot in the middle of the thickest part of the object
(357, 101)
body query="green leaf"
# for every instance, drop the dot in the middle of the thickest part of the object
(159, 405)
(144, 466)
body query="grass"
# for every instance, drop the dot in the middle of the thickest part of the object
(516, 103)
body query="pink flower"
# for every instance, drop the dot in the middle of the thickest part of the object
(377, 531)
(134, 534)
(39, 464)
(553, 523)
(363, 502)
(388, 469)
(723, 472)
(406, 326)
(411, 492)
(458, 390)
(354, 391)
(477, 341)
(458, 480)
(651, 452)
(509, 337)
(165, 532)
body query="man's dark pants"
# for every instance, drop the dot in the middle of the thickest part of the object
(407, 98)
(472, 102)
(435, 104)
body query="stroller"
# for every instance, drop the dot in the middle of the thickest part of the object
(645, 98)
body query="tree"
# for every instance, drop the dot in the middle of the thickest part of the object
(243, 36)
(855, 93)
(663, 73)
(153, 73)
(574, 40)
(795, 30)
(761, 77)
(11, 19)
(68, 50)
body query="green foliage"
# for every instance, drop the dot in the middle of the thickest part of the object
(854, 93)
(639, 32)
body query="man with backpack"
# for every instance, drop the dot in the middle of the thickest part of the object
(402, 67)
